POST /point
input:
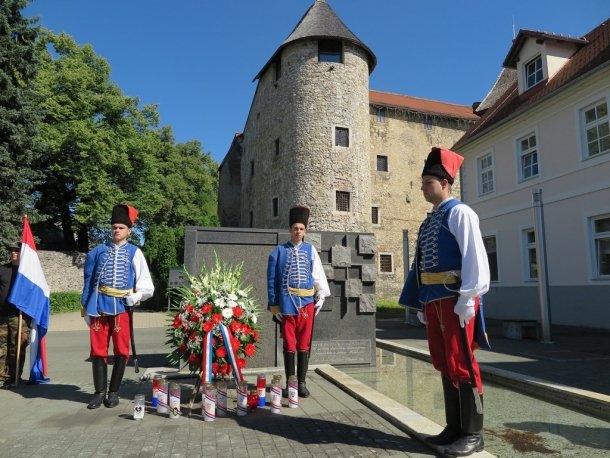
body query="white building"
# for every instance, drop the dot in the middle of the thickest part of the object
(545, 126)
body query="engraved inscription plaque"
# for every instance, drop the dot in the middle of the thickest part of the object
(341, 352)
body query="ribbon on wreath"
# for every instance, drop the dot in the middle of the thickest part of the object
(208, 350)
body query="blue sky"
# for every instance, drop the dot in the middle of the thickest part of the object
(196, 59)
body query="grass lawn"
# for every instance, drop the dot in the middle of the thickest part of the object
(387, 308)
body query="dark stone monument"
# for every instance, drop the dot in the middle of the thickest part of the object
(344, 330)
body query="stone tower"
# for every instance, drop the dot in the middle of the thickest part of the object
(307, 136)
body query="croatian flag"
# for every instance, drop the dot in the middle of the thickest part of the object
(30, 294)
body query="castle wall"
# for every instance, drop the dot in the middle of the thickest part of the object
(302, 109)
(405, 139)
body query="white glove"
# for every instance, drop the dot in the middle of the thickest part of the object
(421, 317)
(318, 306)
(464, 311)
(87, 319)
(133, 299)
(278, 316)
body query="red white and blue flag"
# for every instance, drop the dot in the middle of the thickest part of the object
(30, 294)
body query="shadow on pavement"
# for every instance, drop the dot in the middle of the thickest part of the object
(307, 430)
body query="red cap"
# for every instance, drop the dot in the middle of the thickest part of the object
(443, 163)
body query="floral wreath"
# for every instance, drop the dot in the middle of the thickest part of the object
(215, 320)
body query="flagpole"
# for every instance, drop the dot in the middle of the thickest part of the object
(17, 365)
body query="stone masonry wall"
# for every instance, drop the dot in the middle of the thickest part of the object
(302, 109)
(63, 269)
(406, 142)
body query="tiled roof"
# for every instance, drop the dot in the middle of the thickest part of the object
(422, 105)
(595, 53)
(320, 21)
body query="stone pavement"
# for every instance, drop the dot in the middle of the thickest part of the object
(342, 418)
(52, 419)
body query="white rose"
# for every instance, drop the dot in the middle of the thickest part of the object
(232, 297)
(227, 313)
(220, 302)
(231, 303)
(254, 318)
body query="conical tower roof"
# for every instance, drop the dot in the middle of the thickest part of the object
(320, 21)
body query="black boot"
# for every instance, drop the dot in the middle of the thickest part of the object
(452, 431)
(115, 382)
(288, 368)
(472, 425)
(302, 363)
(100, 379)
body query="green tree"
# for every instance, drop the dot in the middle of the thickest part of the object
(19, 117)
(100, 145)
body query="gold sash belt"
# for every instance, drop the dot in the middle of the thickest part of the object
(114, 292)
(301, 292)
(440, 278)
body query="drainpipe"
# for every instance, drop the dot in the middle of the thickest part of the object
(543, 278)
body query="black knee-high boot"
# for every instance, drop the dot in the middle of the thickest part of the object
(471, 439)
(452, 431)
(115, 382)
(100, 380)
(288, 369)
(302, 364)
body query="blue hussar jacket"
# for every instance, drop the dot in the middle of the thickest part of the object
(290, 267)
(112, 266)
(437, 251)
(433, 239)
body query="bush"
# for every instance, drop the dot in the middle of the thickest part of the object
(65, 301)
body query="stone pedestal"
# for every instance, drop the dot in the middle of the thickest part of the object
(344, 330)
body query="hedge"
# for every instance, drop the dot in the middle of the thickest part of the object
(65, 301)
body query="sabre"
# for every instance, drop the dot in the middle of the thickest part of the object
(133, 341)
(468, 355)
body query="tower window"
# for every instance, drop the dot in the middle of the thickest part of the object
(341, 136)
(342, 201)
(330, 51)
(277, 146)
(275, 207)
(251, 168)
(277, 68)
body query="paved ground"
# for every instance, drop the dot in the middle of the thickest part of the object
(52, 420)
(343, 418)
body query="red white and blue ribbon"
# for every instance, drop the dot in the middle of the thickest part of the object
(208, 350)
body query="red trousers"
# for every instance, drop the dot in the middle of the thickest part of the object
(443, 329)
(104, 328)
(297, 329)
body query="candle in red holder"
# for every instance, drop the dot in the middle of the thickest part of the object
(252, 400)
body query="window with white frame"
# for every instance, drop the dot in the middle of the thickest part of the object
(601, 240)
(531, 262)
(492, 256)
(380, 112)
(533, 72)
(486, 174)
(386, 264)
(528, 157)
(596, 128)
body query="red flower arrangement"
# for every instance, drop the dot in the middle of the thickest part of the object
(213, 297)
